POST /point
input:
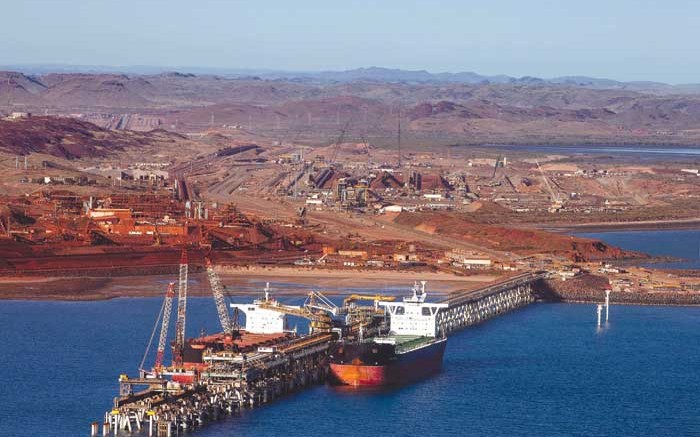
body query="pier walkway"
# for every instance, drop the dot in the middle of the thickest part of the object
(469, 307)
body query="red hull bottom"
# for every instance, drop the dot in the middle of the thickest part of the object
(400, 372)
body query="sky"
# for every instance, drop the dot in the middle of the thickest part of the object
(616, 39)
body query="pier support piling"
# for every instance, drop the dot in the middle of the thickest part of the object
(472, 307)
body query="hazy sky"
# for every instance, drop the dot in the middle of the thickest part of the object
(619, 39)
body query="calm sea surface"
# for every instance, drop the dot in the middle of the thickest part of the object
(542, 370)
(683, 244)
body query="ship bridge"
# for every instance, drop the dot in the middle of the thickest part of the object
(414, 316)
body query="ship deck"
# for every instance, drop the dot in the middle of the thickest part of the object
(405, 343)
(244, 339)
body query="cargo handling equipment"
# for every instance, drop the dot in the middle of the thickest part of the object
(212, 376)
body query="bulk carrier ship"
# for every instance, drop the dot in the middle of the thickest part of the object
(413, 348)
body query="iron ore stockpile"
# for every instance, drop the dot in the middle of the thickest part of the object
(243, 367)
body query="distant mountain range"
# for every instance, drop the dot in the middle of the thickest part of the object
(369, 74)
(438, 107)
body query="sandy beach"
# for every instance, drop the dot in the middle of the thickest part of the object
(237, 280)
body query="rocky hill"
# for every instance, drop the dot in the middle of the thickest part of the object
(69, 138)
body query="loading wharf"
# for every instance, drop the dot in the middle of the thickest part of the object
(229, 384)
(222, 374)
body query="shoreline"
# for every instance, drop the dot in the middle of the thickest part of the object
(295, 282)
(317, 276)
(238, 280)
(296, 292)
(590, 290)
(641, 304)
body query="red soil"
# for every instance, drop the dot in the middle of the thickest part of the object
(521, 241)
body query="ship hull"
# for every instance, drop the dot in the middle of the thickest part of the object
(391, 369)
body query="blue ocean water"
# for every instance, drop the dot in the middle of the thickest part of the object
(683, 244)
(542, 370)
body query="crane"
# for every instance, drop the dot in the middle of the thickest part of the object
(181, 308)
(317, 301)
(320, 321)
(167, 309)
(376, 298)
(314, 309)
(219, 299)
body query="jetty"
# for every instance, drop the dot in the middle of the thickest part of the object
(219, 375)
